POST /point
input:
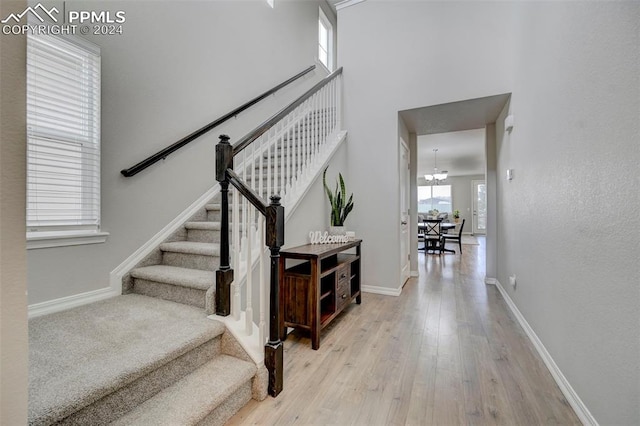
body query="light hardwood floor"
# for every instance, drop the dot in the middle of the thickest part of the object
(445, 352)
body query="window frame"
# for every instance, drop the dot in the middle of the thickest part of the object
(39, 233)
(431, 197)
(324, 21)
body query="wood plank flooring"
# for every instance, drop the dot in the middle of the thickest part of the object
(447, 351)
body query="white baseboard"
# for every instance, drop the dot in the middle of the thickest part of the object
(64, 303)
(386, 291)
(490, 281)
(569, 393)
(414, 274)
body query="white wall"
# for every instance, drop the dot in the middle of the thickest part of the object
(399, 55)
(177, 66)
(568, 229)
(13, 282)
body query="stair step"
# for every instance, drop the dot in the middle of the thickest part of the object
(191, 247)
(211, 395)
(183, 277)
(193, 287)
(203, 226)
(203, 232)
(94, 363)
(191, 255)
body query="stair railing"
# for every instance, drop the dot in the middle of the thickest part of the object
(162, 154)
(276, 159)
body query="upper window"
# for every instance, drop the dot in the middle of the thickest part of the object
(63, 137)
(325, 41)
(436, 197)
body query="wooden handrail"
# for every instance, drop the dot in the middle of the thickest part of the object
(274, 233)
(247, 192)
(264, 127)
(161, 155)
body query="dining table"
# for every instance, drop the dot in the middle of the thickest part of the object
(444, 228)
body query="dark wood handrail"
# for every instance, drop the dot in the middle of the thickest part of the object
(161, 155)
(264, 127)
(247, 192)
(274, 235)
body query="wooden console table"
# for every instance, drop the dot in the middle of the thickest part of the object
(314, 292)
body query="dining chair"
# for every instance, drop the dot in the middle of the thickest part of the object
(454, 237)
(421, 231)
(433, 239)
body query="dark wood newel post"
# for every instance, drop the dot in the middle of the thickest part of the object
(224, 274)
(273, 349)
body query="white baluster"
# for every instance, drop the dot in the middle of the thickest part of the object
(243, 223)
(290, 156)
(263, 299)
(269, 145)
(249, 287)
(235, 226)
(282, 169)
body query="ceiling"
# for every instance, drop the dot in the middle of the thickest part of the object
(457, 130)
(459, 153)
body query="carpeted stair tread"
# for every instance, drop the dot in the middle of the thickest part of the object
(184, 277)
(205, 226)
(194, 396)
(216, 207)
(191, 247)
(83, 354)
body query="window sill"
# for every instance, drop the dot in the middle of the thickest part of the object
(41, 240)
(324, 67)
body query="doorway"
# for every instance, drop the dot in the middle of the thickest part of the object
(479, 201)
(405, 238)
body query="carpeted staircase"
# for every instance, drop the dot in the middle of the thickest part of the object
(137, 360)
(150, 356)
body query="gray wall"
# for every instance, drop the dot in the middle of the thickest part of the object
(13, 263)
(567, 229)
(177, 66)
(401, 55)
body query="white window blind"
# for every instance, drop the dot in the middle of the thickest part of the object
(63, 134)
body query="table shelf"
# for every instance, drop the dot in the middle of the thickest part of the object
(314, 292)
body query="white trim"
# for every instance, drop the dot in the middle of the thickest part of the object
(250, 344)
(64, 303)
(347, 3)
(386, 291)
(569, 393)
(322, 18)
(61, 239)
(490, 281)
(339, 137)
(415, 274)
(115, 277)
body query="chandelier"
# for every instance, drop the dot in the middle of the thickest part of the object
(436, 177)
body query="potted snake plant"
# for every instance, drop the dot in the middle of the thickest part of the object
(340, 206)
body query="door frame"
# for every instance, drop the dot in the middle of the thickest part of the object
(474, 202)
(405, 211)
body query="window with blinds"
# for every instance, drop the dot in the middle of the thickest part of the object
(63, 135)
